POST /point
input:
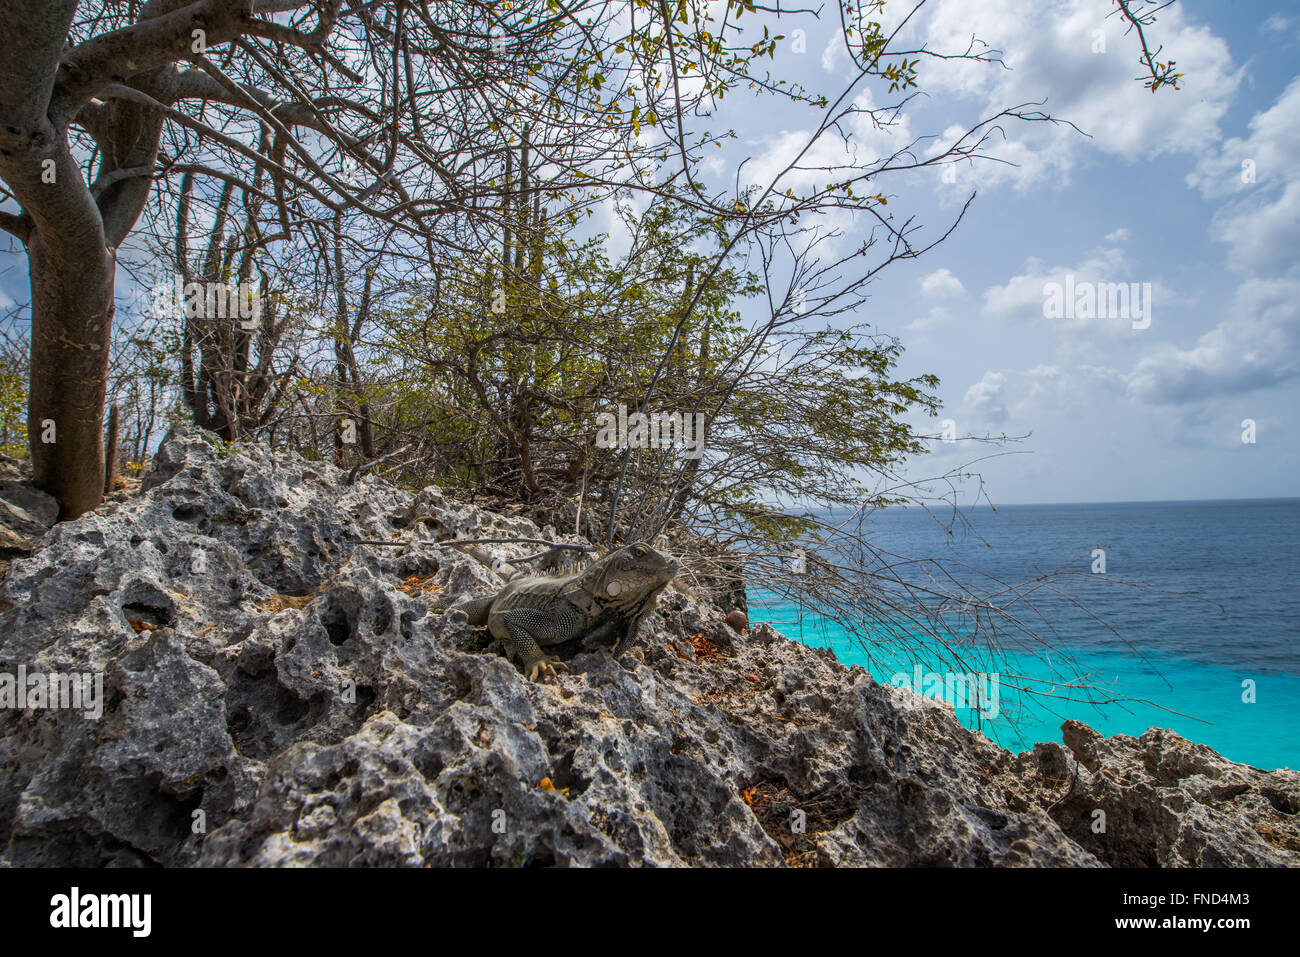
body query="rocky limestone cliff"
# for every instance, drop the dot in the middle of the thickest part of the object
(300, 691)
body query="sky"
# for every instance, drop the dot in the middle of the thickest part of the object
(1193, 194)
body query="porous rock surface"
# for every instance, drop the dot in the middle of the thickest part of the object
(279, 694)
(26, 513)
(1165, 801)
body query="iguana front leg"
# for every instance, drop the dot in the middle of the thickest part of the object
(629, 636)
(529, 629)
(633, 626)
(599, 636)
(639, 614)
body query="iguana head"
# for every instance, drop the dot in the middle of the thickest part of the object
(628, 574)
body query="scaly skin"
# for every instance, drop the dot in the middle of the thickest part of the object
(612, 595)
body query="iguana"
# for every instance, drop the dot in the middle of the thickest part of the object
(613, 594)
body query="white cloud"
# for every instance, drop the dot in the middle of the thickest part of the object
(1264, 235)
(1046, 392)
(1118, 236)
(871, 137)
(1022, 297)
(942, 284)
(1256, 347)
(1262, 226)
(1049, 53)
(936, 317)
(1270, 150)
(1019, 164)
(985, 397)
(834, 52)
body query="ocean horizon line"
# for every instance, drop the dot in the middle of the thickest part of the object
(1261, 500)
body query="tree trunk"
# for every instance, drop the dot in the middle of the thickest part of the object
(111, 450)
(72, 320)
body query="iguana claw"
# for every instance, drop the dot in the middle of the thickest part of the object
(546, 666)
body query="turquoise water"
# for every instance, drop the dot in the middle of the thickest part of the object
(1203, 596)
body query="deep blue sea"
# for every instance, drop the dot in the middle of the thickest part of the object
(1203, 597)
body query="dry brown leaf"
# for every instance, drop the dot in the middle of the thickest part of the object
(415, 585)
(278, 603)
